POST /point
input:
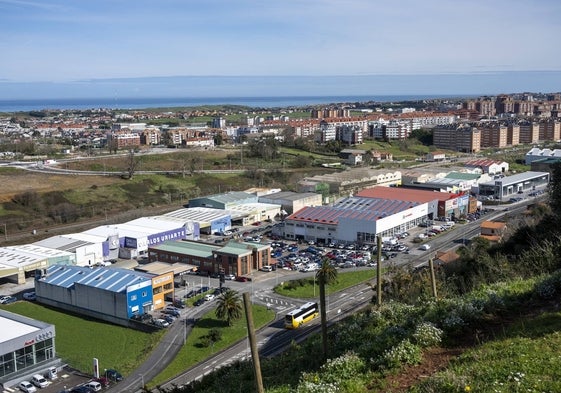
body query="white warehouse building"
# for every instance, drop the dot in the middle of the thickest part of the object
(354, 219)
(87, 253)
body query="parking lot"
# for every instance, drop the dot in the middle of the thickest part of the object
(66, 380)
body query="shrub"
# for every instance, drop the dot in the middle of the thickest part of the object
(404, 353)
(333, 376)
(427, 335)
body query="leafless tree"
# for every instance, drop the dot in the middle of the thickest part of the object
(132, 163)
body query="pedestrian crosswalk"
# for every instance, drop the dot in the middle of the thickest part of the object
(275, 303)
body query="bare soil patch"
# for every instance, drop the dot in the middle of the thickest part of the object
(14, 184)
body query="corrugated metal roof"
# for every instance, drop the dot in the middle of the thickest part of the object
(94, 239)
(352, 207)
(154, 224)
(228, 197)
(518, 178)
(203, 215)
(201, 250)
(403, 194)
(28, 254)
(241, 248)
(62, 243)
(159, 268)
(289, 195)
(110, 279)
(463, 176)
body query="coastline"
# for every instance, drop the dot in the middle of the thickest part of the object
(23, 105)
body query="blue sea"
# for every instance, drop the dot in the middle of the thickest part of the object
(143, 103)
(264, 91)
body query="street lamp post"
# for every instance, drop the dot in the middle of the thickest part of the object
(314, 285)
(141, 380)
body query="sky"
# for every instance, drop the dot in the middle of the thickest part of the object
(68, 46)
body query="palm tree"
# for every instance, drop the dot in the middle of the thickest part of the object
(327, 274)
(229, 306)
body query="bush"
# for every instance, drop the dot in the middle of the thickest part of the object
(404, 353)
(333, 376)
(427, 335)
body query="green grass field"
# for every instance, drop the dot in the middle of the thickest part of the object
(194, 352)
(79, 340)
(307, 288)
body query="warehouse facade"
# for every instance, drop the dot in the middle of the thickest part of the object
(26, 346)
(110, 294)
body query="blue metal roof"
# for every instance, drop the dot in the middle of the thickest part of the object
(110, 279)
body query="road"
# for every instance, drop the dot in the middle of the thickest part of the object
(273, 338)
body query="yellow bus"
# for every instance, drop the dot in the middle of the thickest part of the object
(301, 315)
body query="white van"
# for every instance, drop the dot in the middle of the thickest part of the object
(39, 381)
(93, 385)
(52, 373)
(267, 268)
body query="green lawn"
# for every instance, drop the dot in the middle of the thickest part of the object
(194, 352)
(307, 288)
(79, 340)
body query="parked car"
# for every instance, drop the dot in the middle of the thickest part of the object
(425, 247)
(209, 297)
(169, 318)
(175, 312)
(27, 387)
(103, 381)
(171, 308)
(242, 279)
(230, 277)
(178, 303)
(267, 268)
(199, 302)
(8, 299)
(93, 385)
(81, 389)
(160, 322)
(113, 375)
(39, 381)
(30, 296)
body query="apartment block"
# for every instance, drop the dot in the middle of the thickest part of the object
(121, 140)
(494, 135)
(550, 131)
(513, 135)
(529, 132)
(463, 138)
(327, 113)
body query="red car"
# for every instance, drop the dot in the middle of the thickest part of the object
(103, 381)
(243, 279)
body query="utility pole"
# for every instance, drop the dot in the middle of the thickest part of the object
(432, 278)
(253, 343)
(379, 270)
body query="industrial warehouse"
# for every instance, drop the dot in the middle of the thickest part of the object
(111, 294)
(385, 211)
(26, 345)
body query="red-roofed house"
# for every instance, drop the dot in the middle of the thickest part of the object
(435, 156)
(492, 167)
(493, 230)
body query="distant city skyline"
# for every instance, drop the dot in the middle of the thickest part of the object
(64, 49)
